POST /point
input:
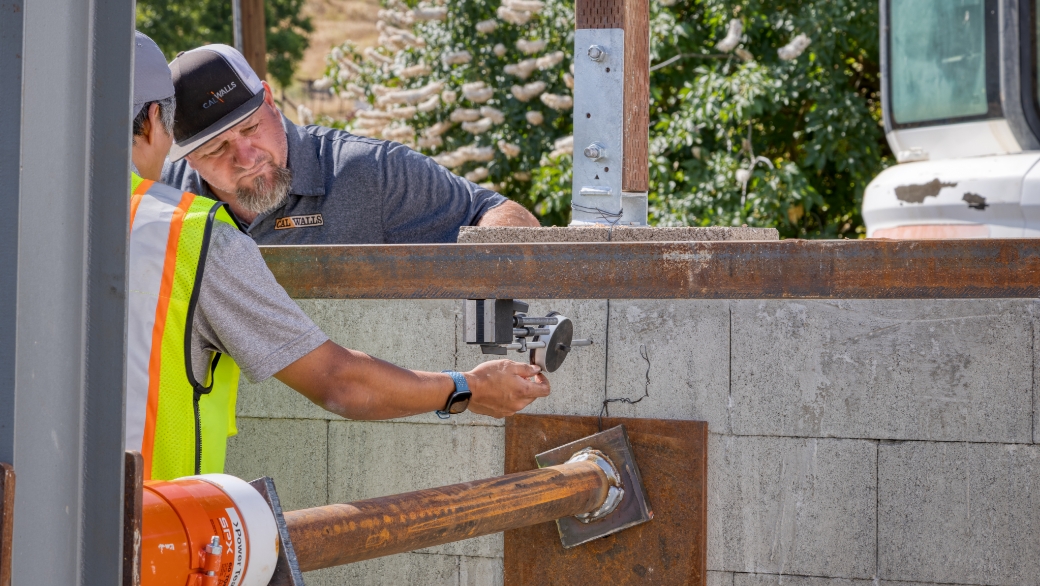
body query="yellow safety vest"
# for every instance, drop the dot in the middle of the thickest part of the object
(179, 424)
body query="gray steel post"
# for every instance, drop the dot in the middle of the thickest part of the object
(10, 133)
(236, 24)
(73, 196)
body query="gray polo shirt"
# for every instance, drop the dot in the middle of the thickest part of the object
(349, 189)
(243, 312)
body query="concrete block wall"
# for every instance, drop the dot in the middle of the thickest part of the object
(851, 442)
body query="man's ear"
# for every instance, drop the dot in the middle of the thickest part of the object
(148, 126)
(268, 94)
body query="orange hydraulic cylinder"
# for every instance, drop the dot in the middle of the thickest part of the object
(196, 533)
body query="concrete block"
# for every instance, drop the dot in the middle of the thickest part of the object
(410, 333)
(502, 234)
(411, 569)
(720, 578)
(792, 506)
(293, 453)
(577, 387)
(475, 571)
(784, 580)
(892, 369)
(685, 374)
(959, 512)
(1035, 310)
(273, 400)
(372, 459)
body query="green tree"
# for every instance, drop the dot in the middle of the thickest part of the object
(762, 113)
(745, 134)
(179, 25)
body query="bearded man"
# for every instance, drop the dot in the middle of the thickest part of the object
(202, 307)
(290, 184)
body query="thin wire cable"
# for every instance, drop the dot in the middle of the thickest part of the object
(604, 214)
(605, 408)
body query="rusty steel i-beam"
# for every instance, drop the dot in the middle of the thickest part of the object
(333, 535)
(785, 269)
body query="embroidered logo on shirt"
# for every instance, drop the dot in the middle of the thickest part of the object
(298, 222)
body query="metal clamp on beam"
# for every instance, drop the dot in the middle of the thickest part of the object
(500, 325)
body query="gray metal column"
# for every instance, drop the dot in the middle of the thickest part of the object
(10, 133)
(70, 302)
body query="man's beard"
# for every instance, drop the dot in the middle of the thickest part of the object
(265, 194)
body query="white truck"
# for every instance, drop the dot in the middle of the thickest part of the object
(961, 105)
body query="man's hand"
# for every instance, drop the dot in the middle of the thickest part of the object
(502, 387)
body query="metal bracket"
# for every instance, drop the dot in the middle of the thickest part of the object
(287, 570)
(599, 98)
(634, 507)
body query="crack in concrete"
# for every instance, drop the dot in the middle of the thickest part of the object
(605, 409)
(455, 356)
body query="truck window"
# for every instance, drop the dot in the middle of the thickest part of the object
(937, 58)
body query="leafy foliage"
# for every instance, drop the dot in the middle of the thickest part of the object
(807, 129)
(180, 25)
(739, 134)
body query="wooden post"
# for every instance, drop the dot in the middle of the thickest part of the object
(340, 534)
(254, 36)
(6, 521)
(133, 499)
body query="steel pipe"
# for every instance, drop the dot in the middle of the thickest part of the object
(535, 321)
(341, 534)
(785, 269)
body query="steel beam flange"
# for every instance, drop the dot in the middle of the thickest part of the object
(626, 504)
(287, 569)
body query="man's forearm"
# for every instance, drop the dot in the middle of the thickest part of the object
(509, 213)
(357, 386)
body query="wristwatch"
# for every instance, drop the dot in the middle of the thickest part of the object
(459, 398)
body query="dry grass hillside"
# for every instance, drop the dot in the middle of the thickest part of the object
(334, 22)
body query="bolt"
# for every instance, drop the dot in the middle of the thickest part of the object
(595, 151)
(597, 53)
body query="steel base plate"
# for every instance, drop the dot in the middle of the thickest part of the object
(634, 507)
(669, 550)
(287, 570)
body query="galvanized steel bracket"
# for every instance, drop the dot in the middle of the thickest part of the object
(599, 98)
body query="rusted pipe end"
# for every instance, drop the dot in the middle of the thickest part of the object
(615, 490)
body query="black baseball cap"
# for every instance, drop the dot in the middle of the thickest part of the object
(216, 89)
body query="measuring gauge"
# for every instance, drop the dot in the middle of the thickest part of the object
(500, 325)
(558, 343)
